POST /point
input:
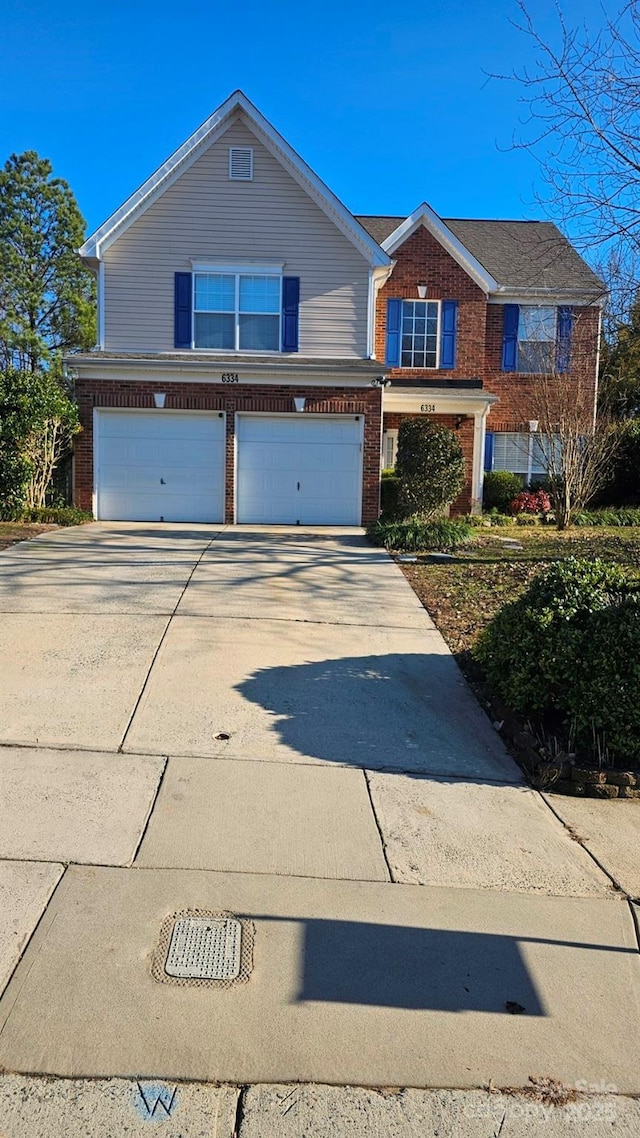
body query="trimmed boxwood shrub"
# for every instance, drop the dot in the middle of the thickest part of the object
(500, 487)
(416, 536)
(570, 647)
(430, 466)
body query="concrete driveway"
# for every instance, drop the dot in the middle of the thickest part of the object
(268, 723)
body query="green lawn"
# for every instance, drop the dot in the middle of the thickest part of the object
(463, 594)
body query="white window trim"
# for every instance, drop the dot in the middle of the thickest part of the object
(245, 268)
(389, 437)
(237, 350)
(421, 300)
(554, 342)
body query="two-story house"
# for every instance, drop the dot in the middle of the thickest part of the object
(248, 324)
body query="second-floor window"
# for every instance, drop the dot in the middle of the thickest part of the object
(237, 312)
(536, 339)
(419, 347)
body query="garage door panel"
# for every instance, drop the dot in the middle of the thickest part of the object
(159, 464)
(142, 507)
(160, 425)
(294, 469)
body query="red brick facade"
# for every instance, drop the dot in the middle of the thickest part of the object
(218, 397)
(422, 258)
(478, 346)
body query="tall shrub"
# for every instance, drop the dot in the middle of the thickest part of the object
(430, 466)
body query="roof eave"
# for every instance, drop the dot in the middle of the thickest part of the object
(95, 245)
(425, 215)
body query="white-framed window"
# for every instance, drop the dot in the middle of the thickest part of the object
(420, 333)
(389, 449)
(537, 329)
(237, 312)
(524, 454)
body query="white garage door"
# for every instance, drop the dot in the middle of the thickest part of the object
(299, 468)
(160, 466)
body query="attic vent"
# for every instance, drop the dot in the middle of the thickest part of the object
(241, 163)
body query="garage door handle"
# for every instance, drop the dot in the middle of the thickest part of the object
(298, 485)
(162, 482)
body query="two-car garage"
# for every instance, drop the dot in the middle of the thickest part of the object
(166, 465)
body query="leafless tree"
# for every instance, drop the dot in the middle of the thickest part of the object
(577, 452)
(582, 122)
(575, 448)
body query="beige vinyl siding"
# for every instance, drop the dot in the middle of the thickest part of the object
(204, 215)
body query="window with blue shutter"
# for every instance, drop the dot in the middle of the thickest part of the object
(290, 313)
(394, 326)
(510, 337)
(449, 320)
(488, 451)
(182, 310)
(563, 342)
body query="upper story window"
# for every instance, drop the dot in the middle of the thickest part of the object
(420, 320)
(536, 339)
(237, 312)
(421, 333)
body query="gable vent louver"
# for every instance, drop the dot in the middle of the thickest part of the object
(241, 163)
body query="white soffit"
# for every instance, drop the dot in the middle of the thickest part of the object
(200, 140)
(424, 215)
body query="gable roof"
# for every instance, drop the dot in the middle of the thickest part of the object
(196, 144)
(425, 215)
(525, 255)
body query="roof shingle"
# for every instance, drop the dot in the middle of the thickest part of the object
(518, 254)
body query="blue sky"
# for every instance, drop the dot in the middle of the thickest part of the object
(390, 104)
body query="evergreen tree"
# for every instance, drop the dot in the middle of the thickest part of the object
(47, 295)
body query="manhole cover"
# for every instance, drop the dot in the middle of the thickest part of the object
(205, 948)
(200, 947)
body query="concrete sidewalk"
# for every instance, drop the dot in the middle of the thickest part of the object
(268, 723)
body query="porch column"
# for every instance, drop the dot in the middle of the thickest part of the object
(477, 476)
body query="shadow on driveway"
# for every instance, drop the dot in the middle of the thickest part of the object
(399, 711)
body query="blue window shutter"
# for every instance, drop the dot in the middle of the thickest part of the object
(448, 334)
(488, 451)
(290, 313)
(394, 330)
(182, 310)
(510, 337)
(563, 342)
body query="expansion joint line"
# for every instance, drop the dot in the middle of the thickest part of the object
(162, 638)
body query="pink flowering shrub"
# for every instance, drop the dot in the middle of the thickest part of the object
(530, 502)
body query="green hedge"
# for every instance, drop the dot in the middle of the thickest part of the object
(570, 647)
(54, 515)
(416, 536)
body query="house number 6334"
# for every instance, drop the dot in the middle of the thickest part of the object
(428, 407)
(230, 377)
